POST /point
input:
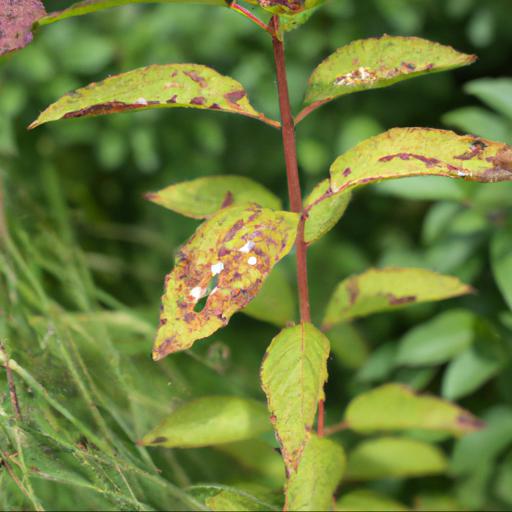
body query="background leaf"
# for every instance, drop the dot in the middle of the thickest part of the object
(501, 263)
(396, 407)
(202, 197)
(367, 500)
(227, 261)
(438, 340)
(293, 374)
(156, 86)
(209, 421)
(393, 457)
(385, 289)
(319, 473)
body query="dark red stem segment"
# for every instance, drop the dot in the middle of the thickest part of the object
(248, 14)
(292, 168)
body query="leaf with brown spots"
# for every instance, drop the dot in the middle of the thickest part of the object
(377, 62)
(293, 375)
(157, 86)
(202, 197)
(385, 289)
(287, 7)
(406, 152)
(225, 262)
(90, 6)
(17, 18)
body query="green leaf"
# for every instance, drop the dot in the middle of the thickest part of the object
(312, 486)
(275, 302)
(397, 407)
(227, 259)
(394, 457)
(89, 6)
(291, 22)
(202, 197)
(16, 21)
(223, 498)
(484, 446)
(496, 92)
(405, 152)
(156, 86)
(210, 421)
(438, 340)
(365, 500)
(348, 345)
(258, 457)
(293, 374)
(476, 365)
(289, 8)
(386, 289)
(501, 263)
(378, 62)
(324, 209)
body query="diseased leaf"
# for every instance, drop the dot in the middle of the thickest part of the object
(394, 457)
(397, 407)
(365, 500)
(291, 22)
(202, 197)
(275, 302)
(501, 263)
(227, 259)
(209, 421)
(324, 209)
(320, 471)
(156, 86)
(404, 152)
(438, 340)
(385, 289)
(293, 374)
(16, 20)
(289, 8)
(89, 6)
(378, 62)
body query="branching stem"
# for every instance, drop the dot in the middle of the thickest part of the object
(294, 188)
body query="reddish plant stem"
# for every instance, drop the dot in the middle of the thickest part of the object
(292, 168)
(248, 14)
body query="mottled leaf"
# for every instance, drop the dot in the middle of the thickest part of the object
(365, 500)
(287, 7)
(209, 421)
(324, 209)
(291, 22)
(202, 197)
(394, 457)
(378, 62)
(320, 471)
(404, 152)
(16, 20)
(378, 290)
(293, 374)
(397, 407)
(275, 302)
(156, 86)
(89, 6)
(501, 263)
(226, 260)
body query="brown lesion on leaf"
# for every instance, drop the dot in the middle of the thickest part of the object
(353, 290)
(428, 161)
(475, 150)
(198, 100)
(469, 422)
(196, 78)
(234, 97)
(228, 199)
(399, 301)
(360, 76)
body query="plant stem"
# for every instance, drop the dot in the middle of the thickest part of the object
(292, 168)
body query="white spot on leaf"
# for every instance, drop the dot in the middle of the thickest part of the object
(247, 247)
(141, 101)
(252, 260)
(217, 268)
(196, 292)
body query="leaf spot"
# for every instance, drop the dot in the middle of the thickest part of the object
(217, 268)
(197, 292)
(252, 260)
(247, 247)
(141, 101)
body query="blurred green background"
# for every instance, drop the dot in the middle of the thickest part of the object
(83, 255)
